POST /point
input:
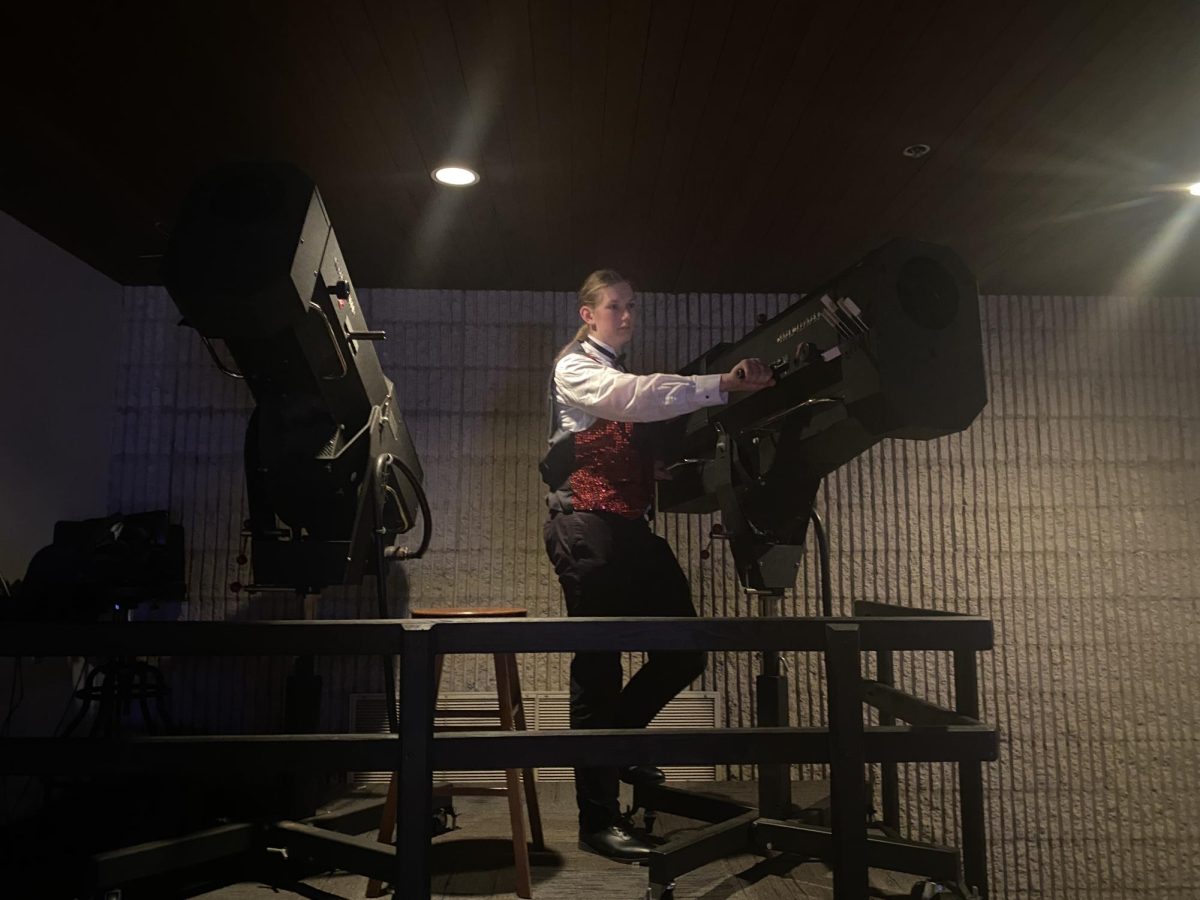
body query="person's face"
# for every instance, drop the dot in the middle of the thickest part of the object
(613, 317)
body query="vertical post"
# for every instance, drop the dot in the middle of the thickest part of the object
(970, 779)
(771, 701)
(847, 761)
(774, 779)
(889, 775)
(414, 802)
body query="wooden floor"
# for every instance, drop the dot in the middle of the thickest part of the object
(476, 861)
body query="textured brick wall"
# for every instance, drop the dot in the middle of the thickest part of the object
(1069, 514)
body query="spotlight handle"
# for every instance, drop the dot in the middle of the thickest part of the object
(212, 351)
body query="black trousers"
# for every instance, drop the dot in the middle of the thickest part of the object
(612, 566)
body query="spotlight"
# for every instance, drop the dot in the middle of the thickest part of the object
(455, 176)
(332, 475)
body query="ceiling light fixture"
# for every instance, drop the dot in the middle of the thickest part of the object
(1194, 189)
(916, 151)
(455, 176)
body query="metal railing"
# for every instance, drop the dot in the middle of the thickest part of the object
(846, 744)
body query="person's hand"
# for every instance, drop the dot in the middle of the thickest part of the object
(748, 375)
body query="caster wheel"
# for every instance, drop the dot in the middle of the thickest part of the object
(445, 820)
(648, 820)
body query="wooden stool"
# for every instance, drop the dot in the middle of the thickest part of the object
(512, 717)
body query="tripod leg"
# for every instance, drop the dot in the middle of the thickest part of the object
(142, 684)
(108, 710)
(86, 694)
(160, 699)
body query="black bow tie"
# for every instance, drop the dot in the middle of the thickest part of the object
(618, 359)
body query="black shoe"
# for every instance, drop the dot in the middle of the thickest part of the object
(643, 775)
(615, 843)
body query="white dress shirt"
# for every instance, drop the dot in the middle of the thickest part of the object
(589, 386)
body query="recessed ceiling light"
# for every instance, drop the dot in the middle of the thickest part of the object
(1194, 189)
(455, 175)
(916, 151)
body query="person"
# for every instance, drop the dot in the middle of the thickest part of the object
(599, 541)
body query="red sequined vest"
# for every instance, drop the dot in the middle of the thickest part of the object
(614, 474)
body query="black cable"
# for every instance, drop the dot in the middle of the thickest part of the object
(389, 668)
(423, 502)
(14, 699)
(379, 489)
(382, 488)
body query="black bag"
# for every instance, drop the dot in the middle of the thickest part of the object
(96, 565)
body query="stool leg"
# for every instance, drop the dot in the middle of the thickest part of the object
(512, 778)
(531, 800)
(387, 826)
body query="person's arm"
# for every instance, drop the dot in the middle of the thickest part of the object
(607, 393)
(748, 376)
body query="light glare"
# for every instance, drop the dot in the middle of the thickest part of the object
(455, 175)
(1194, 189)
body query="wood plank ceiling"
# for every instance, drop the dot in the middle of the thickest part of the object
(720, 146)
